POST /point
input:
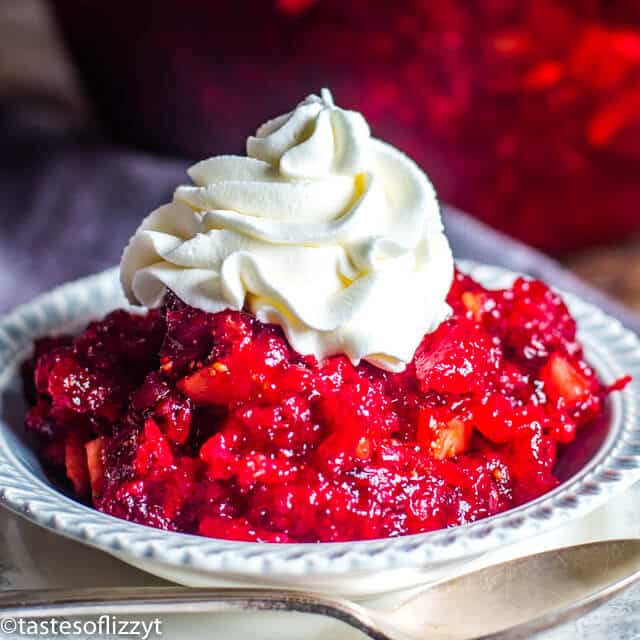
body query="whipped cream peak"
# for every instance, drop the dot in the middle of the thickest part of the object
(314, 140)
(322, 229)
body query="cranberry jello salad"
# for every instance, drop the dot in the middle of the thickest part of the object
(311, 366)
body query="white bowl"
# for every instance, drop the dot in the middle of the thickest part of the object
(601, 463)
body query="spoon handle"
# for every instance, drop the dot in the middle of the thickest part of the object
(158, 600)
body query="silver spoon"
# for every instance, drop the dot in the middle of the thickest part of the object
(511, 600)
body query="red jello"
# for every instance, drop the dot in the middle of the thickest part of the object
(212, 424)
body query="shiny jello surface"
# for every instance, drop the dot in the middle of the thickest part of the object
(212, 424)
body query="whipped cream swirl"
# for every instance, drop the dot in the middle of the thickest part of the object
(332, 234)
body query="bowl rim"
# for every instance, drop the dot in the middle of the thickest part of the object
(612, 349)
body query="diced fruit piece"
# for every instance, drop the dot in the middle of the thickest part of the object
(443, 439)
(451, 440)
(210, 385)
(473, 301)
(95, 462)
(75, 460)
(363, 449)
(563, 380)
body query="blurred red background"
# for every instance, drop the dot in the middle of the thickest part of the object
(526, 114)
